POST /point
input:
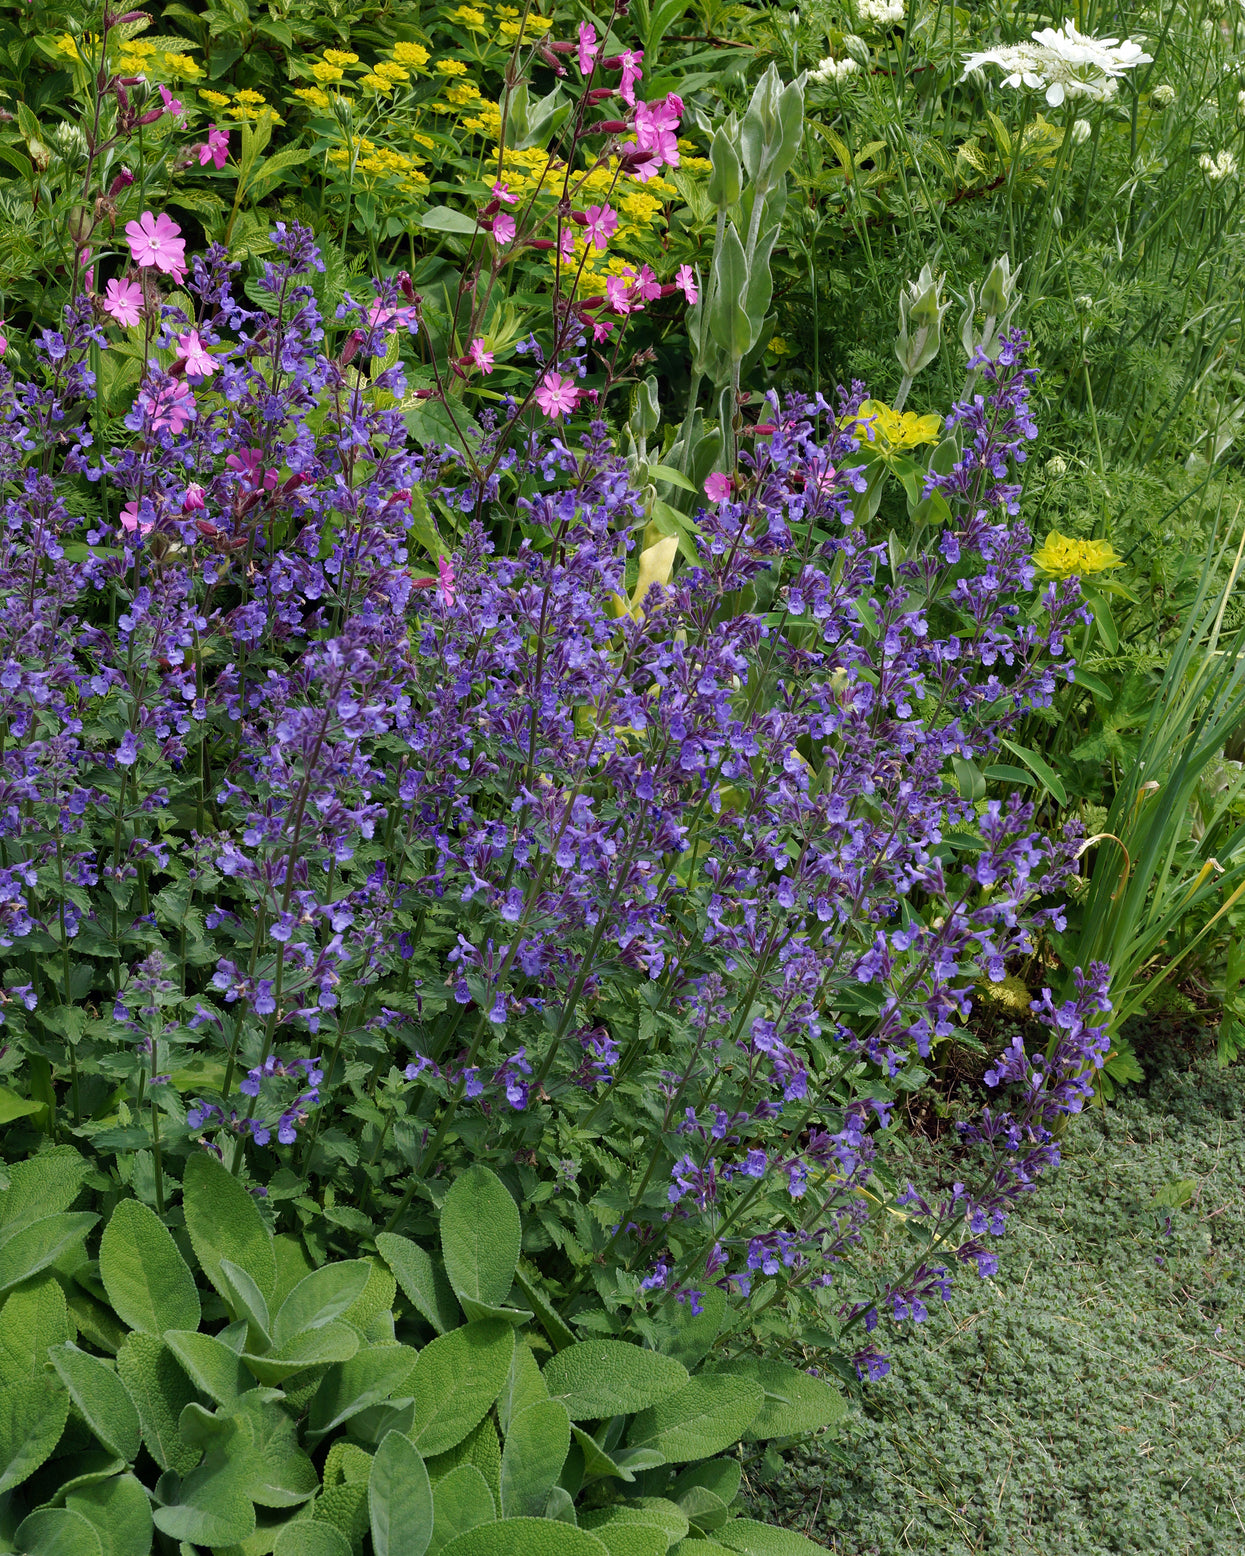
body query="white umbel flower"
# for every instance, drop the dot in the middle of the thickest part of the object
(881, 14)
(1222, 165)
(1064, 63)
(835, 71)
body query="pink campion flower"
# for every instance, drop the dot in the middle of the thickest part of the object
(645, 286)
(172, 406)
(131, 524)
(556, 396)
(157, 240)
(566, 244)
(685, 280)
(215, 149)
(195, 355)
(483, 359)
(249, 464)
(588, 47)
(501, 191)
(445, 575)
(602, 328)
(122, 302)
(503, 229)
(171, 104)
(195, 499)
(601, 226)
(655, 127)
(618, 294)
(631, 73)
(717, 487)
(379, 314)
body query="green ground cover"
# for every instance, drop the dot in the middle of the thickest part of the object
(1089, 1398)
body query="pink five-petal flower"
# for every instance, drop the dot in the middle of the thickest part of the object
(647, 286)
(195, 499)
(556, 396)
(717, 487)
(631, 73)
(685, 280)
(445, 575)
(602, 329)
(173, 407)
(131, 524)
(501, 191)
(566, 244)
(215, 149)
(195, 355)
(588, 47)
(601, 226)
(122, 301)
(618, 294)
(483, 359)
(503, 229)
(171, 104)
(157, 240)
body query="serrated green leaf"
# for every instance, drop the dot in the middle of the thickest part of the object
(480, 1232)
(161, 1390)
(55, 1531)
(422, 1279)
(319, 1298)
(525, 1537)
(119, 1511)
(279, 1473)
(213, 1366)
(148, 1282)
(399, 1499)
(756, 1539)
(33, 1247)
(461, 1500)
(456, 1380)
(373, 1374)
(100, 1397)
(335, 1342)
(224, 1222)
(32, 1318)
(532, 1457)
(311, 1537)
(33, 1412)
(599, 1378)
(644, 1512)
(795, 1403)
(709, 1413)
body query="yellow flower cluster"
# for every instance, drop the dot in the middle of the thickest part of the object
(468, 16)
(875, 422)
(135, 57)
(1062, 557)
(383, 162)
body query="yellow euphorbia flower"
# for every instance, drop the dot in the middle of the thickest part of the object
(451, 67)
(313, 95)
(411, 54)
(217, 99)
(340, 57)
(1063, 557)
(325, 72)
(875, 422)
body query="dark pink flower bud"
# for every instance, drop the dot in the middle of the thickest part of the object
(407, 290)
(563, 48)
(194, 502)
(350, 349)
(122, 181)
(579, 218)
(614, 62)
(543, 244)
(599, 93)
(607, 127)
(491, 209)
(151, 116)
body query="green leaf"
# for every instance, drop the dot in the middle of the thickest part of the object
(55, 1531)
(224, 1222)
(212, 1507)
(373, 1374)
(161, 1390)
(674, 477)
(546, 1315)
(480, 1232)
(526, 1537)
(707, 1414)
(399, 1499)
(422, 1279)
(455, 1381)
(45, 1184)
(1040, 768)
(524, 1386)
(532, 1457)
(728, 316)
(319, 1298)
(246, 1301)
(1093, 683)
(311, 1537)
(599, 1378)
(279, 1473)
(316, 1348)
(423, 528)
(148, 1282)
(31, 1248)
(631, 1539)
(211, 1365)
(969, 779)
(721, 1476)
(444, 218)
(756, 1539)
(33, 1412)
(686, 1336)
(119, 1511)
(644, 1512)
(461, 1500)
(100, 1397)
(32, 1318)
(794, 1402)
(12, 1106)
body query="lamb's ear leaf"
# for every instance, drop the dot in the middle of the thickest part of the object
(119, 1509)
(709, 1413)
(148, 1282)
(320, 1297)
(101, 1398)
(599, 1378)
(460, 1501)
(399, 1499)
(224, 1222)
(795, 1402)
(56, 1531)
(311, 1537)
(423, 1280)
(535, 1450)
(480, 1234)
(455, 1381)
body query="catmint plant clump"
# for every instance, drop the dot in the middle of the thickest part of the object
(352, 856)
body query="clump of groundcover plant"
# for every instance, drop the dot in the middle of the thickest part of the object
(352, 858)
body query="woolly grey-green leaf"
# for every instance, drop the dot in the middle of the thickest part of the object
(599, 1378)
(148, 1282)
